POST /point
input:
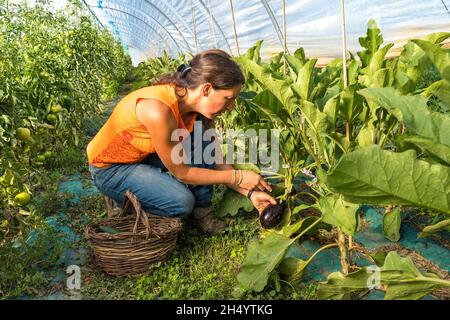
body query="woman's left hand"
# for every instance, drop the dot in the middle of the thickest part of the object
(261, 200)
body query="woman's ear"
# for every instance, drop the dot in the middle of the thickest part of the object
(207, 88)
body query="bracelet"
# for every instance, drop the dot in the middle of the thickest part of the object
(249, 194)
(233, 177)
(241, 177)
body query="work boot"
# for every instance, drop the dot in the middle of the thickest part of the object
(204, 219)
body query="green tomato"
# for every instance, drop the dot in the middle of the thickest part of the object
(56, 108)
(48, 154)
(22, 198)
(51, 118)
(23, 134)
(40, 158)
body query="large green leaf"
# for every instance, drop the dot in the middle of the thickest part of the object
(371, 42)
(440, 89)
(440, 57)
(303, 224)
(300, 54)
(411, 55)
(351, 104)
(374, 176)
(366, 136)
(403, 83)
(288, 143)
(278, 88)
(374, 73)
(291, 229)
(295, 64)
(254, 52)
(317, 120)
(400, 276)
(437, 37)
(438, 150)
(413, 111)
(338, 285)
(429, 230)
(231, 202)
(339, 213)
(412, 63)
(353, 71)
(304, 82)
(263, 256)
(331, 110)
(391, 224)
(247, 166)
(271, 106)
(380, 78)
(292, 268)
(405, 281)
(340, 140)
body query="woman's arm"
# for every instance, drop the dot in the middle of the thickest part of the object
(224, 167)
(259, 199)
(160, 122)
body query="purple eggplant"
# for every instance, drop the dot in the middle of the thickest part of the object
(272, 215)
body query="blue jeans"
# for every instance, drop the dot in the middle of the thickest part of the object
(158, 192)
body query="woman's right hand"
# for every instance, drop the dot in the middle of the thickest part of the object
(253, 181)
(261, 200)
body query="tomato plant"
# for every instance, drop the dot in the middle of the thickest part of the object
(55, 67)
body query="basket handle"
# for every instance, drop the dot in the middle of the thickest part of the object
(140, 214)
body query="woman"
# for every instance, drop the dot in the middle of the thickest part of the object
(133, 149)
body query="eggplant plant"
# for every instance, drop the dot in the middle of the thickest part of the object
(374, 142)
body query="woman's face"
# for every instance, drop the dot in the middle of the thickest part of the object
(213, 102)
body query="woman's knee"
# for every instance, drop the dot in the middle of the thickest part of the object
(182, 204)
(164, 195)
(179, 204)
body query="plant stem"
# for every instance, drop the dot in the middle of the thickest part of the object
(309, 148)
(421, 278)
(271, 175)
(331, 245)
(350, 252)
(309, 195)
(288, 185)
(347, 131)
(307, 229)
(343, 250)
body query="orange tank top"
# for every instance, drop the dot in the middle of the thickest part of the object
(123, 138)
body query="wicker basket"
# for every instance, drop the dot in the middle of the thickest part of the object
(144, 238)
(113, 209)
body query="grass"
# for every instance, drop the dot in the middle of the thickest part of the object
(206, 268)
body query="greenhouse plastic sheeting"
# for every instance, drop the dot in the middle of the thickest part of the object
(147, 27)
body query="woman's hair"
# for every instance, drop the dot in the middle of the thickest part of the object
(214, 66)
